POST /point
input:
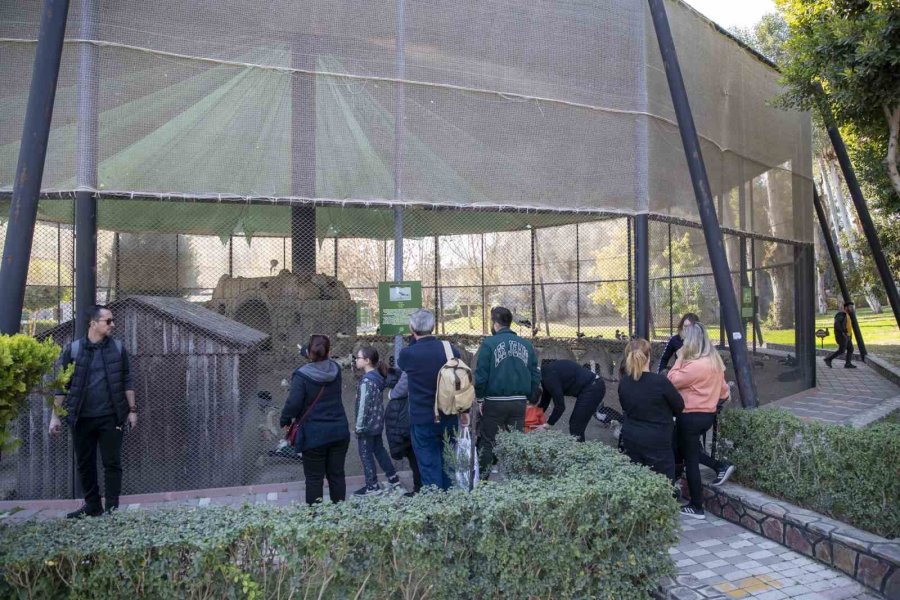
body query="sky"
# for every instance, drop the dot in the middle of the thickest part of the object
(728, 13)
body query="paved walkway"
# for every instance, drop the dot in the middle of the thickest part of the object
(855, 397)
(718, 559)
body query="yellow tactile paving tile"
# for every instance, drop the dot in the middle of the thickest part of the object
(749, 585)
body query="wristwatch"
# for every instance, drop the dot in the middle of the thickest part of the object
(132, 409)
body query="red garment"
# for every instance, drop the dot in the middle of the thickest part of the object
(534, 417)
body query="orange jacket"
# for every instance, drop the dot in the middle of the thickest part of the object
(534, 417)
(700, 382)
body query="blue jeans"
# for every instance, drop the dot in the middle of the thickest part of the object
(370, 449)
(428, 444)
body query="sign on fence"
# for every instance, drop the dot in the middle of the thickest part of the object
(396, 301)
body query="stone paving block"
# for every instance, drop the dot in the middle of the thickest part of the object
(747, 565)
(705, 574)
(696, 552)
(728, 553)
(716, 563)
(794, 591)
(771, 595)
(735, 575)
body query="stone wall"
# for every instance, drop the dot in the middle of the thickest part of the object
(870, 559)
(290, 308)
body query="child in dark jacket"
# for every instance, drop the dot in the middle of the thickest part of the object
(370, 422)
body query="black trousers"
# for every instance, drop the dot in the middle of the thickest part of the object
(586, 404)
(845, 345)
(325, 461)
(89, 433)
(660, 459)
(497, 415)
(689, 427)
(414, 467)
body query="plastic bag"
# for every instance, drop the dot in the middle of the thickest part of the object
(466, 457)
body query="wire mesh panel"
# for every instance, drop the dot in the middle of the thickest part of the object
(252, 160)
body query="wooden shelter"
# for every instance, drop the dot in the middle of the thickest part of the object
(195, 382)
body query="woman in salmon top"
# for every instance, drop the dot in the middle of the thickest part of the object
(699, 376)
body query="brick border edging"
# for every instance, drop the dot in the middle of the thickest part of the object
(871, 560)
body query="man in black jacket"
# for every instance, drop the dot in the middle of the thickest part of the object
(843, 335)
(99, 402)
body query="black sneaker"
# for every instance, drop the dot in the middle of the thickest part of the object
(850, 366)
(694, 513)
(85, 510)
(367, 491)
(723, 474)
(828, 362)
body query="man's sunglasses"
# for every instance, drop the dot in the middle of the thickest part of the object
(108, 321)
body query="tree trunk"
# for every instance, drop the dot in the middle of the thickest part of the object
(781, 309)
(893, 117)
(832, 211)
(851, 230)
(821, 294)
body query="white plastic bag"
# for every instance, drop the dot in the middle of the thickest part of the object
(466, 455)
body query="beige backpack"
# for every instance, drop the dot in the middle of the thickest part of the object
(455, 386)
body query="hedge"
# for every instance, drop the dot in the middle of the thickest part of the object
(529, 537)
(849, 474)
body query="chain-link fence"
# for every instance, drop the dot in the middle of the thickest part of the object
(213, 322)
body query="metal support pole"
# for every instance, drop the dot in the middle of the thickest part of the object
(630, 280)
(58, 273)
(437, 268)
(231, 256)
(642, 272)
(118, 260)
(303, 156)
(805, 322)
(838, 270)
(577, 282)
(533, 299)
(30, 166)
(399, 115)
(483, 292)
(335, 256)
(712, 231)
(671, 283)
(862, 210)
(177, 261)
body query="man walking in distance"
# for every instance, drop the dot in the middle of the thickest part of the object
(843, 335)
(421, 363)
(100, 402)
(505, 376)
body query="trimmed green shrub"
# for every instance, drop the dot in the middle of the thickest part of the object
(528, 537)
(849, 474)
(24, 362)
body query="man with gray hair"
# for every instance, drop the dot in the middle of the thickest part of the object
(421, 363)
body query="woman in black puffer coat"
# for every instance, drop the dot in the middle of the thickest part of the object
(396, 424)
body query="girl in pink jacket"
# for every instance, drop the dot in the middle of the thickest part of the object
(699, 376)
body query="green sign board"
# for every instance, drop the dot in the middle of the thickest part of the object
(747, 302)
(396, 301)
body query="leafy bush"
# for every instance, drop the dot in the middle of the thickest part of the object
(849, 474)
(529, 537)
(23, 364)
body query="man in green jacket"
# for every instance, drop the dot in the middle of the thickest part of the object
(505, 376)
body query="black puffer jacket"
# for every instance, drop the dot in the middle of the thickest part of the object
(118, 376)
(396, 418)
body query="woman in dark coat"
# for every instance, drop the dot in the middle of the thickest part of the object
(323, 436)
